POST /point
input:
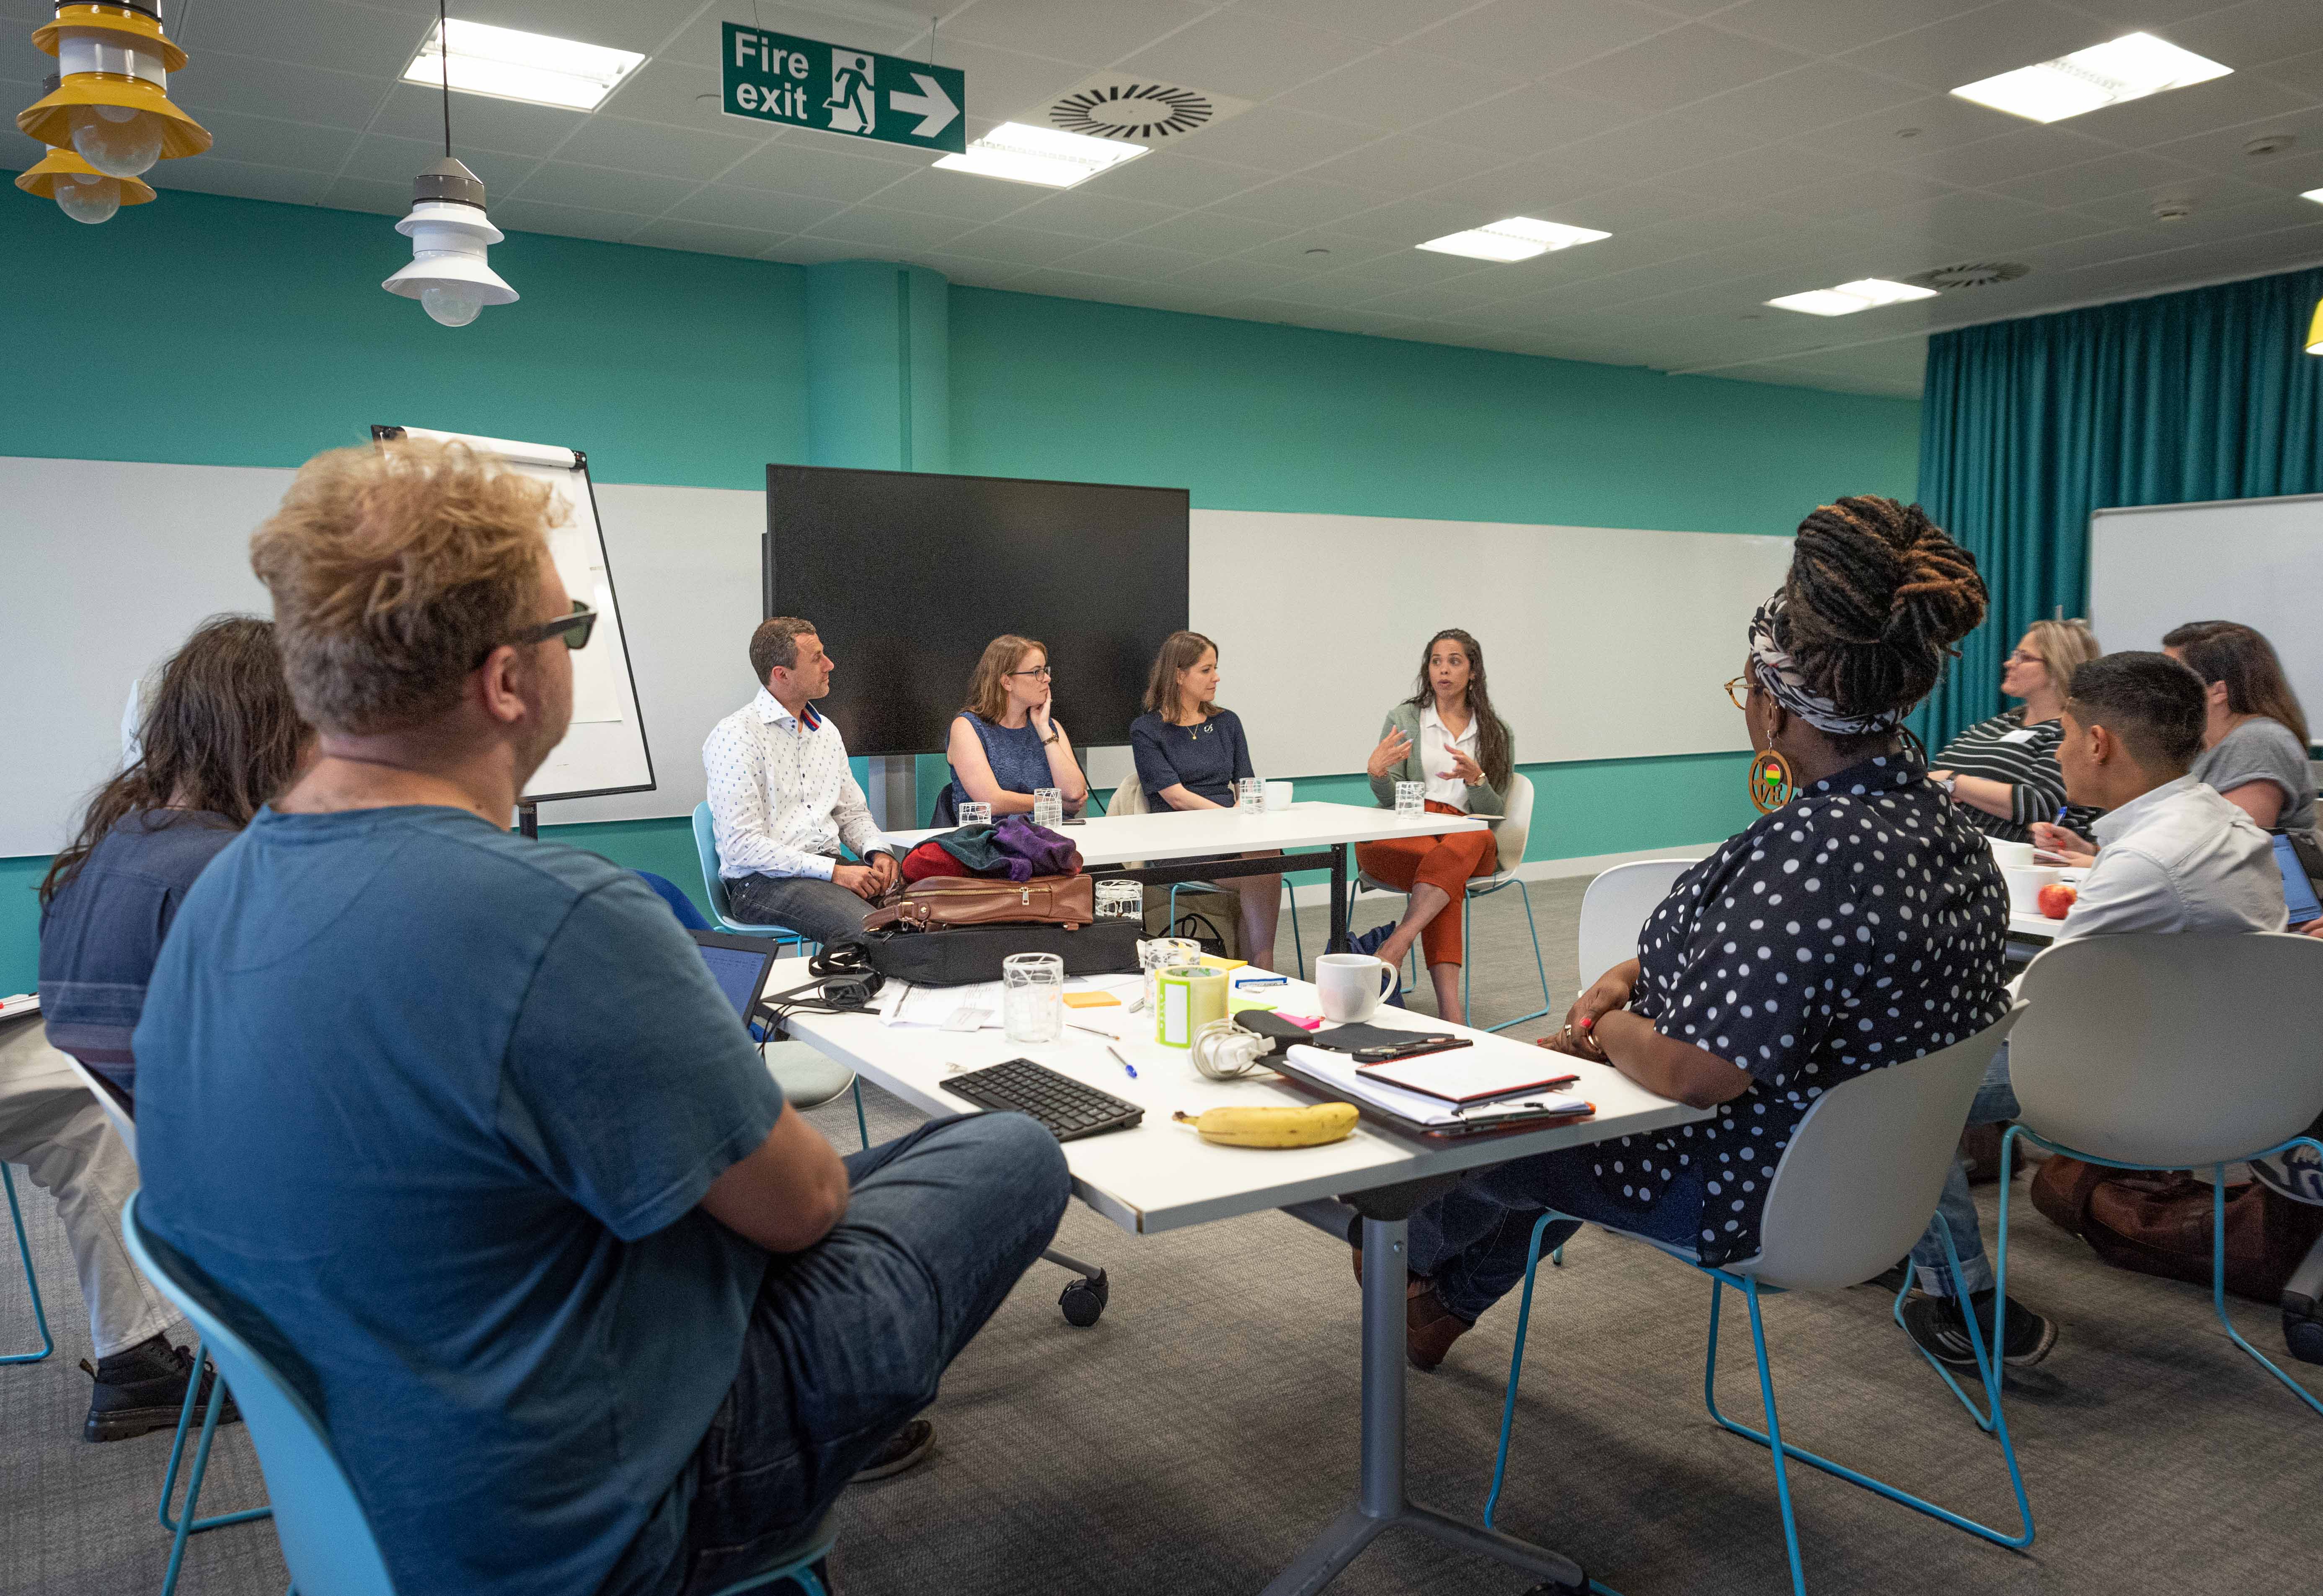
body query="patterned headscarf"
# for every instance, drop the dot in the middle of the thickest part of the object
(1778, 672)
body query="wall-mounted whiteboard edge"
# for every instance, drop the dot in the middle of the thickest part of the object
(1599, 643)
(604, 751)
(2257, 560)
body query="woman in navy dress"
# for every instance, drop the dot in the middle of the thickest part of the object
(1005, 743)
(1858, 924)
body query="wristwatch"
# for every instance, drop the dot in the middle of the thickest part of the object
(1946, 781)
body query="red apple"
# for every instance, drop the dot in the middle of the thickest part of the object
(2055, 898)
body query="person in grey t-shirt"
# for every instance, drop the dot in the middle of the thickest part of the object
(2255, 743)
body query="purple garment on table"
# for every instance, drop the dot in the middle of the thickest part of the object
(979, 853)
(1048, 853)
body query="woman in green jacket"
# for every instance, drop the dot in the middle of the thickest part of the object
(1447, 736)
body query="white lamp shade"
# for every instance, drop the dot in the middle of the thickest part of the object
(448, 242)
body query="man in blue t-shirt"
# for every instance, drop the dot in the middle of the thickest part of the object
(459, 1130)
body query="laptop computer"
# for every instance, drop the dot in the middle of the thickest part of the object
(2298, 891)
(738, 965)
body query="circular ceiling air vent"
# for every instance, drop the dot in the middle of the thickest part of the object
(1971, 274)
(1135, 111)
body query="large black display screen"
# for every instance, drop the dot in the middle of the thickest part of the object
(907, 575)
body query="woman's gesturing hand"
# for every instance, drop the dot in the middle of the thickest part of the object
(1391, 751)
(1464, 768)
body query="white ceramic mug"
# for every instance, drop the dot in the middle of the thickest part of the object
(2011, 855)
(1352, 986)
(1277, 796)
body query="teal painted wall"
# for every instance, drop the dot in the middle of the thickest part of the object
(692, 370)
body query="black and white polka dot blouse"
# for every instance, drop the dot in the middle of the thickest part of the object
(1858, 926)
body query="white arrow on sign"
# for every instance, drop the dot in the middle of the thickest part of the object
(932, 106)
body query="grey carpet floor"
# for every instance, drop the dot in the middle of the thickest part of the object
(1197, 1437)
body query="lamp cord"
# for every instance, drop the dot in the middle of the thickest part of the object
(444, 60)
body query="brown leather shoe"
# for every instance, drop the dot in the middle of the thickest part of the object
(1429, 1328)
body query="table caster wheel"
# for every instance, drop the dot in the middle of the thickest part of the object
(1084, 1300)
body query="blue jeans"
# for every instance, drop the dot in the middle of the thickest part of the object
(849, 1338)
(1996, 1100)
(1472, 1242)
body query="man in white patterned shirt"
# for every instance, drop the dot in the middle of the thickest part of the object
(782, 799)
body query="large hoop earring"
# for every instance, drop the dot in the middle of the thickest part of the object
(1771, 785)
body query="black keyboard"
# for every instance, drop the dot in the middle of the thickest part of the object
(1068, 1108)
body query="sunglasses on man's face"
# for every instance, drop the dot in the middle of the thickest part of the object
(575, 628)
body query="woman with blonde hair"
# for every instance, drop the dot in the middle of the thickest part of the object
(1004, 744)
(2004, 771)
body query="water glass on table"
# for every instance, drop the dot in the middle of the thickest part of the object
(1156, 954)
(1035, 996)
(1048, 807)
(1411, 800)
(976, 814)
(1251, 792)
(1117, 899)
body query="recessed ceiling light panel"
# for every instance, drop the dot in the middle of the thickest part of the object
(1019, 152)
(2129, 67)
(1513, 238)
(1848, 298)
(508, 64)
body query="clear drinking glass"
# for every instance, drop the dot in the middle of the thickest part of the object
(1120, 900)
(1035, 996)
(976, 814)
(1411, 800)
(1047, 806)
(1156, 954)
(1251, 791)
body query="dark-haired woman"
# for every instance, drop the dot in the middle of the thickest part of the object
(220, 736)
(1857, 926)
(1445, 735)
(1189, 755)
(217, 736)
(2255, 747)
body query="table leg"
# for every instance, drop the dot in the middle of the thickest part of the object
(1381, 1503)
(1338, 942)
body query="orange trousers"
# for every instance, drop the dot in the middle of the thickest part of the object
(1444, 863)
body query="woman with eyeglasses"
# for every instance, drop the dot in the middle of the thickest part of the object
(1004, 744)
(2004, 771)
(1856, 923)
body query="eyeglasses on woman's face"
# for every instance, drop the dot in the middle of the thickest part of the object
(1739, 691)
(1043, 672)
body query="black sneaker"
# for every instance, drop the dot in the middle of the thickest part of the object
(1935, 1323)
(904, 1448)
(143, 1388)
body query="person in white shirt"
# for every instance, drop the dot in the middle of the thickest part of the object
(782, 799)
(2174, 857)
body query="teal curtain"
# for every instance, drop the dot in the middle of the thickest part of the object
(2028, 425)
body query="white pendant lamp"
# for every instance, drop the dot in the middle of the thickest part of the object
(450, 235)
(110, 104)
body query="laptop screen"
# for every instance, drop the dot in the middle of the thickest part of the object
(739, 972)
(2298, 892)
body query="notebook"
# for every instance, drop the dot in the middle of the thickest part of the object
(1337, 1074)
(1474, 1074)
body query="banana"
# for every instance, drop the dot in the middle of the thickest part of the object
(1274, 1127)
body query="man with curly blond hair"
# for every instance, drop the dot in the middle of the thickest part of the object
(459, 1128)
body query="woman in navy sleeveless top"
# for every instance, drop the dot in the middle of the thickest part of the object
(1004, 743)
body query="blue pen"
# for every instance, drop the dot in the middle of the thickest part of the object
(1264, 980)
(1126, 1064)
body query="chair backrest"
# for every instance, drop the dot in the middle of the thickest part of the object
(123, 1125)
(1863, 1170)
(2173, 1050)
(1129, 798)
(1515, 827)
(325, 1538)
(1614, 910)
(670, 893)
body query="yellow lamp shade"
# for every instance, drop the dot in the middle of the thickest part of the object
(2315, 330)
(63, 166)
(145, 31)
(50, 119)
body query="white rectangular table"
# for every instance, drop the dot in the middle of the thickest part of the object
(1160, 1176)
(1110, 842)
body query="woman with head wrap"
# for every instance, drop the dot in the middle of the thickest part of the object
(1856, 923)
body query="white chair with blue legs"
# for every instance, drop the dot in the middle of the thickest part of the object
(1129, 798)
(1853, 1191)
(185, 1524)
(2170, 1052)
(325, 1539)
(1510, 838)
(785, 1061)
(31, 1282)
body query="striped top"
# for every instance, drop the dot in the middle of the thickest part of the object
(2024, 757)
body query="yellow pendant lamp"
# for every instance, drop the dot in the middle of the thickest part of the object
(2315, 330)
(112, 103)
(81, 190)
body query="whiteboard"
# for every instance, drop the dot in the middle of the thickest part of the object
(604, 750)
(2257, 560)
(1599, 643)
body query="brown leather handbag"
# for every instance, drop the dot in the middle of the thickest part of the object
(942, 901)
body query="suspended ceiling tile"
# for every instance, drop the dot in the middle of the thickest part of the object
(1273, 138)
(478, 123)
(1405, 163)
(1982, 43)
(1825, 27)
(956, 194)
(341, 38)
(2017, 152)
(1400, 90)
(701, 37)
(2222, 150)
(677, 96)
(266, 142)
(1246, 54)
(2301, 74)
(667, 233)
(1687, 64)
(1753, 174)
(1022, 246)
(1823, 94)
(380, 158)
(1091, 215)
(1545, 36)
(1130, 257)
(754, 210)
(656, 150)
(1212, 233)
(218, 80)
(1340, 249)
(560, 182)
(209, 174)
(884, 229)
(1526, 121)
(1410, 221)
(1181, 180)
(1239, 275)
(2121, 172)
(1298, 202)
(796, 165)
(1093, 33)
(518, 215)
(2238, 101)
(2254, 31)
(1381, 21)
(365, 194)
